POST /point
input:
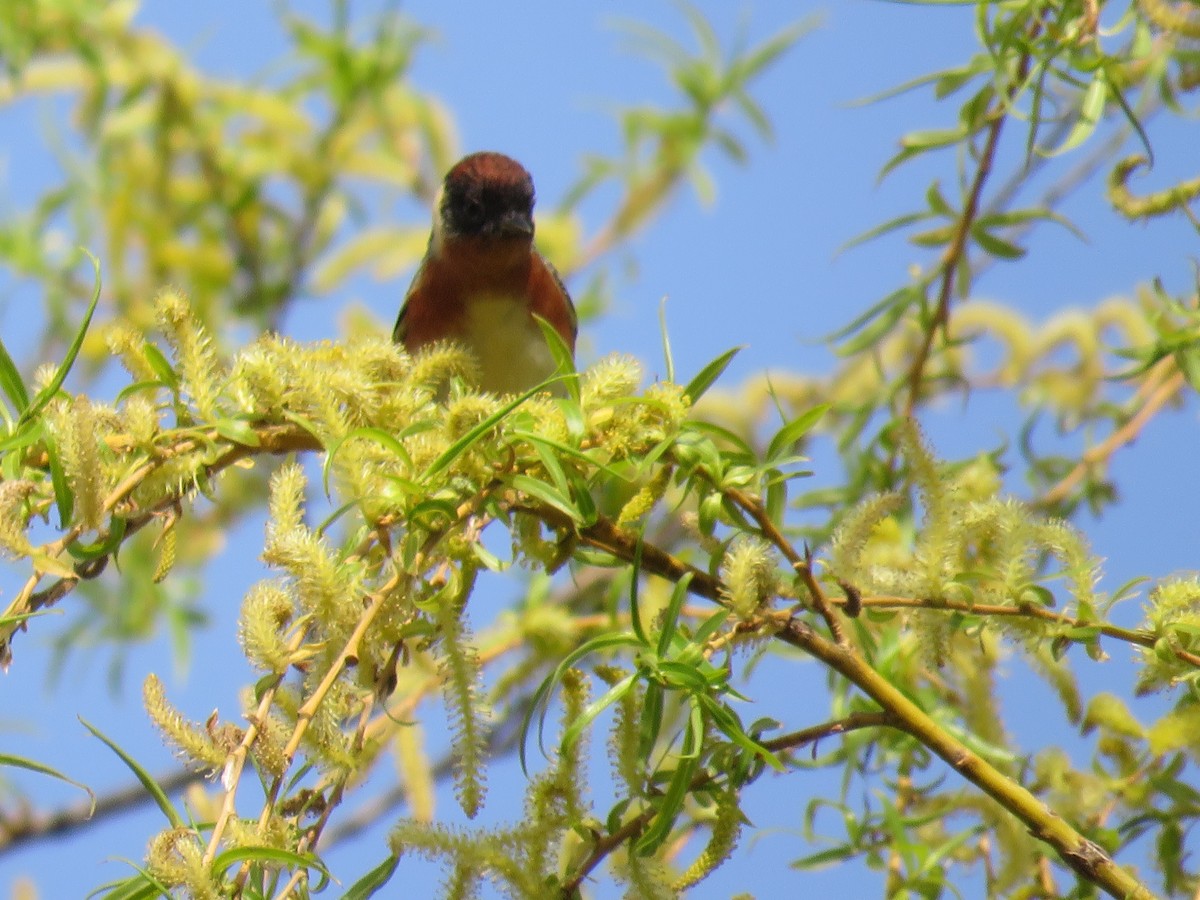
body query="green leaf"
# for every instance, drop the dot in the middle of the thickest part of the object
(459, 447)
(635, 612)
(1127, 590)
(1010, 217)
(237, 431)
(64, 497)
(888, 226)
(704, 380)
(60, 375)
(726, 720)
(366, 887)
(270, 855)
(997, 247)
(938, 204)
(107, 544)
(671, 802)
(564, 359)
(666, 340)
(711, 625)
(934, 237)
(385, 439)
(650, 723)
(142, 886)
(161, 366)
(20, 762)
(1091, 108)
(789, 434)
(594, 709)
(11, 382)
(537, 705)
(547, 494)
(539, 440)
(147, 780)
(671, 614)
(879, 319)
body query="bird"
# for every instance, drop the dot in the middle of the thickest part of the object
(482, 280)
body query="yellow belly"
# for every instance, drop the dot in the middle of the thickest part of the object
(512, 351)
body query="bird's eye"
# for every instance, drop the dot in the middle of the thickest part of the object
(472, 209)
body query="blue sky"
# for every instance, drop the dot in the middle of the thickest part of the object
(758, 267)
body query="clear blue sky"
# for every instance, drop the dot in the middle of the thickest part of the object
(759, 267)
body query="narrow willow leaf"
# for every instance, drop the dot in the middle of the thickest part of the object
(11, 382)
(789, 434)
(1090, 111)
(880, 230)
(564, 359)
(671, 614)
(147, 780)
(269, 855)
(671, 802)
(997, 247)
(459, 447)
(64, 497)
(666, 339)
(367, 886)
(537, 705)
(704, 379)
(594, 709)
(548, 494)
(20, 762)
(161, 366)
(60, 375)
(384, 439)
(238, 431)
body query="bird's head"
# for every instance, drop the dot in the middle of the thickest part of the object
(486, 196)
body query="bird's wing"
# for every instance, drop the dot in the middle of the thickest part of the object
(574, 316)
(400, 331)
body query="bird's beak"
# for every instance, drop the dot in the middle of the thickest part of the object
(517, 224)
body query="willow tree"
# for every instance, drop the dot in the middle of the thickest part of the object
(662, 538)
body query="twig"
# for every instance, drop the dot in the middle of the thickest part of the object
(953, 254)
(606, 844)
(1165, 381)
(271, 439)
(236, 761)
(1083, 856)
(31, 826)
(1139, 637)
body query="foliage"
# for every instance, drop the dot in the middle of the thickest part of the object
(694, 549)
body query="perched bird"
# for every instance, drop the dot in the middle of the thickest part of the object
(482, 280)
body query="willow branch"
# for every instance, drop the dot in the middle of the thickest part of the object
(1080, 854)
(1164, 383)
(1138, 637)
(606, 844)
(1083, 856)
(272, 439)
(955, 251)
(30, 826)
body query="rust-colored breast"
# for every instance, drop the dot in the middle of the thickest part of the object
(436, 307)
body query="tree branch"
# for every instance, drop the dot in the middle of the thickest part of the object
(30, 826)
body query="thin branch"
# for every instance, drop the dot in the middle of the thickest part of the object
(606, 844)
(30, 826)
(1138, 637)
(271, 439)
(1083, 856)
(1164, 383)
(953, 255)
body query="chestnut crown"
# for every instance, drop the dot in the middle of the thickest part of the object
(487, 195)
